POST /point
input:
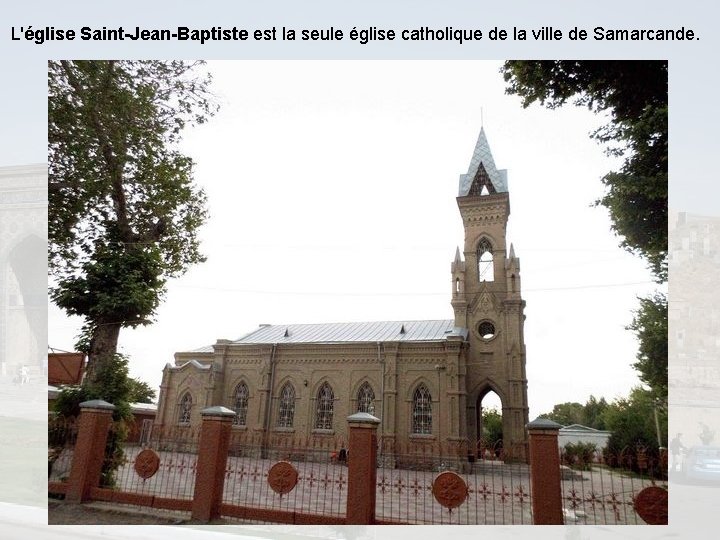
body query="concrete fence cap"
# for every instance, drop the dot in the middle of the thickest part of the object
(363, 417)
(97, 404)
(218, 410)
(543, 423)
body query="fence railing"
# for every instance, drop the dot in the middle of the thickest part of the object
(224, 471)
(164, 467)
(487, 490)
(62, 435)
(286, 473)
(602, 487)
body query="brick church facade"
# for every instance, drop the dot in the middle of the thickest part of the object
(425, 380)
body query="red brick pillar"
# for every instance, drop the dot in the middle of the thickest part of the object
(89, 452)
(212, 459)
(362, 469)
(545, 472)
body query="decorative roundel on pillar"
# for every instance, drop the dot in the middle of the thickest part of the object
(282, 477)
(449, 489)
(147, 464)
(651, 504)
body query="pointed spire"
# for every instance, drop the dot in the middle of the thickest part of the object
(458, 259)
(512, 251)
(482, 165)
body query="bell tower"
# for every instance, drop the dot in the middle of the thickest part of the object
(487, 301)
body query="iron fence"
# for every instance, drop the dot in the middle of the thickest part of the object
(413, 486)
(62, 436)
(284, 473)
(601, 487)
(164, 466)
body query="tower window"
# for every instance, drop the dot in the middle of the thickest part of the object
(486, 270)
(486, 329)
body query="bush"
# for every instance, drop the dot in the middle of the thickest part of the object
(579, 455)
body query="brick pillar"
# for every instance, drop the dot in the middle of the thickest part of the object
(362, 469)
(89, 452)
(212, 459)
(545, 472)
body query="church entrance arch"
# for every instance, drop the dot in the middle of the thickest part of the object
(489, 423)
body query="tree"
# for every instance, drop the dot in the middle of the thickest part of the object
(635, 94)
(140, 392)
(650, 324)
(111, 384)
(123, 210)
(633, 427)
(590, 414)
(593, 412)
(492, 426)
(566, 413)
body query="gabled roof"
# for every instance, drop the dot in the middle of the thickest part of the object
(483, 156)
(65, 368)
(580, 427)
(354, 332)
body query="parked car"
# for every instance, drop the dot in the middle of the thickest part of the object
(702, 463)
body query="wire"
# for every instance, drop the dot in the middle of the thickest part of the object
(318, 293)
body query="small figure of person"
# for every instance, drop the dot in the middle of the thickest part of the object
(342, 455)
(24, 375)
(706, 435)
(676, 447)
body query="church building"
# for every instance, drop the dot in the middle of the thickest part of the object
(424, 380)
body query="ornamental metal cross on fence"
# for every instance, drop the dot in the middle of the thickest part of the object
(223, 471)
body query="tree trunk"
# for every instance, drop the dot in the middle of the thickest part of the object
(103, 346)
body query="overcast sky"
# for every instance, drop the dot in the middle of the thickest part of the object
(332, 188)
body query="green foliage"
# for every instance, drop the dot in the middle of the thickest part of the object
(566, 413)
(579, 455)
(632, 423)
(492, 426)
(140, 392)
(650, 324)
(123, 209)
(590, 414)
(113, 385)
(126, 283)
(635, 95)
(593, 411)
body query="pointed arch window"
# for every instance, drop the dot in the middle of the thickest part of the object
(185, 408)
(325, 406)
(366, 399)
(422, 411)
(486, 270)
(241, 396)
(286, 413)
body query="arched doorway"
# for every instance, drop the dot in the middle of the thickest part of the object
(26, 288)
(489, 425)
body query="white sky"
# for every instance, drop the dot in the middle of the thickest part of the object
(332, 190)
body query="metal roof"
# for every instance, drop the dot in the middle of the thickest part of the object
(483, 155)
(354, 332)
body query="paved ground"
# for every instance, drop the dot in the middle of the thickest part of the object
(62, 513)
